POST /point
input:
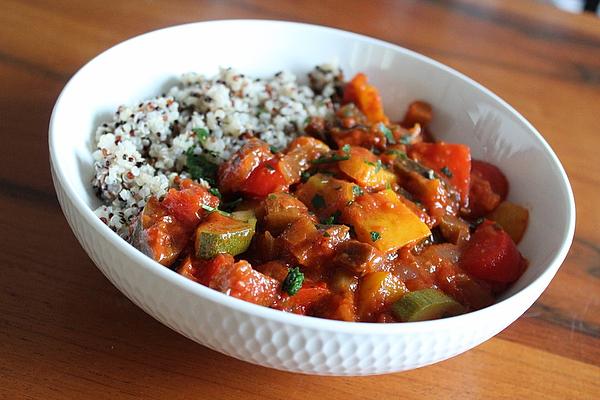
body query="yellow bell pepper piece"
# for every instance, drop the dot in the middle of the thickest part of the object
(366, 169)
(383, 221)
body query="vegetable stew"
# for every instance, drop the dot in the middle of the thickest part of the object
(361, 219)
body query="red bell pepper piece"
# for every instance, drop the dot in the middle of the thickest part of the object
(451, 161)
(366, 97)
(265, 179)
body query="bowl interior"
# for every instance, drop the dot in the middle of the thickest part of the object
(464, 111)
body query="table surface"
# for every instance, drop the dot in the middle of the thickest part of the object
(66, 332)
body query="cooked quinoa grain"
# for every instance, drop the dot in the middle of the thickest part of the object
(142, 151)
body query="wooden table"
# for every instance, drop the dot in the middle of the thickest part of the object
(66, 332)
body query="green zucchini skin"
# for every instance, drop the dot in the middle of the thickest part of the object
(223, 234)
(425, 304)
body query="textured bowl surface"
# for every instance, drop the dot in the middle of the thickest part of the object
(464, 112)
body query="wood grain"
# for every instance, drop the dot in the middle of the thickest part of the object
(65, 332)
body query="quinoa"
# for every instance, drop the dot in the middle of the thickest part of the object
(141, 152)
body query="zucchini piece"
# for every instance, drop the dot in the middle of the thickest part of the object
(426, 304)
(222, 234)
(244, 216)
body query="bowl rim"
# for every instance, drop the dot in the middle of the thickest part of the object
(182, 283)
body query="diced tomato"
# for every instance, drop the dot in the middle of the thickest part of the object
(164, 240)
(366, 97)
(488, 188)
(186, 203)
(491, 255)
(308, 296)
(241, 281)
(419, 112)
(451, 161)
(357, 137)
(493, 175)
(469, 292)
(298, 155)
(336, 306)
(202, 271)
(265, 179)
(235, 171)
(482, 198)
(277, 270)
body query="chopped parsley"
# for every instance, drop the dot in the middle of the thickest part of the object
(201, 167)
(293, 281)
(213, 209)
(402, 155)
(333, 218)
(357, 191)
(346, 148)
(387, 133)
(272, 196)
(201, 133)
(304, 176)
(378, 165)
(375, 236)
(406, 139)
(215, 192)
(446, 171)
(318, 201)
(330, 159)
(273, 149)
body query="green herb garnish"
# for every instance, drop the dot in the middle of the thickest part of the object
(273, 149)
(357, 191)
(406, 139)
(213, 209)
(375, 236)
(215, 192)
(293, 281)
(402, 155)
(346, 148)
(387, 133)
(378, 165)
(429, 174)
(333, 218)
(446, 171)
(200, 167)
(201, 133)
(318, 201)
(333, 158)
(304, 176)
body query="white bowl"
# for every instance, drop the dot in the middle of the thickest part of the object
(464, 111)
